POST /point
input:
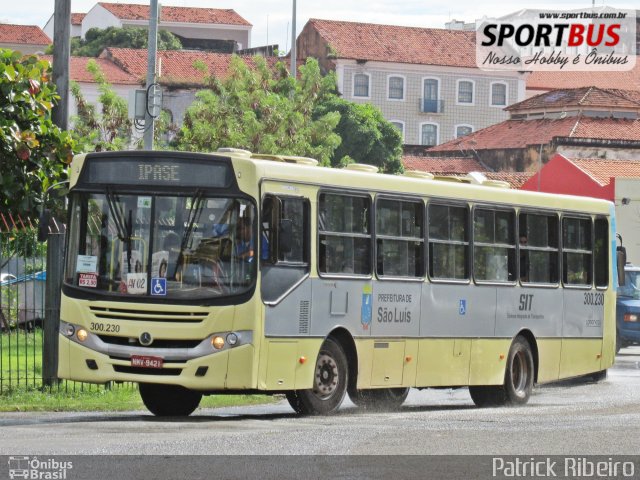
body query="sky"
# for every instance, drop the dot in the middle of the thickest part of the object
(271, 19)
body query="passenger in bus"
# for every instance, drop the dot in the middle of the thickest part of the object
(171, 244)
(245, 248)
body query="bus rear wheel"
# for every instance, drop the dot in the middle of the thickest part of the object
(169, 400)
(329, 383)
(379, 398)
(518, 379)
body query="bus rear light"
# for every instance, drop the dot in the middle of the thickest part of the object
(217, 342)
(630, 317)
(82, 334)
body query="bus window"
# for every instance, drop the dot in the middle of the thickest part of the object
(600, 250)
(399, 238)
(448, 242)
(345, 234)
(538, 244)
(284, 232)
(494, 246)
(577, 267)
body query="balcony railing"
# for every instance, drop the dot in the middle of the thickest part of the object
(431, 106)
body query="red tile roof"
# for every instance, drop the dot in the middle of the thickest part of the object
(602, 170)
(128, 11)
(175, 66)
(442, 165)
(25, 34)
(580, 97)
(389, 43)
(515, 179)
(113, 74)
(522, 133)
(76, 18)
(551, 80)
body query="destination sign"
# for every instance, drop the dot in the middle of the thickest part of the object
(156, 172)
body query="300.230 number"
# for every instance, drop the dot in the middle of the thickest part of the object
(105, 327)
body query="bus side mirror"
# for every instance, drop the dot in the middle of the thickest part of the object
(621, 259)
(43, 225)
(285, 235)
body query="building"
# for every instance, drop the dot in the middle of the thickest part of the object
(23, 38)
(196, 27)
(586, 122)
(541, 82)
(610, 179)
(76, 25)
(425, 81)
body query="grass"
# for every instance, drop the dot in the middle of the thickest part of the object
(92, 398)
(21, 377)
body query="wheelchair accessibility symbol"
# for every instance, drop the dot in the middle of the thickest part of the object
(158, 286)
(462, 307)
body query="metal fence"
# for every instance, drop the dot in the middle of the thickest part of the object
(30, 308)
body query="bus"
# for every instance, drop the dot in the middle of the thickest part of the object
(232, 272)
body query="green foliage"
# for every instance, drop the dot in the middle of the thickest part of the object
(366, 136)
(97, 39)
(263, 110)
(33, 151)
(109, 129)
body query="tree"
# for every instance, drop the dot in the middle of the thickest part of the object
(264, 110)
(366, 136)
(109, 129)
(34, 152)
(97, 39)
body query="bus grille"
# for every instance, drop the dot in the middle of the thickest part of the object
(134, 342)
(116, 314)
(147, 371)
(303, 326)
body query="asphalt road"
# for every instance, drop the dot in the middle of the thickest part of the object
(569, 418)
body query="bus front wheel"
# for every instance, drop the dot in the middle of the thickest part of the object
(518, 379)
(329, 383)
(169, 400)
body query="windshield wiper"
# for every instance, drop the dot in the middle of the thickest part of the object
(124, 228)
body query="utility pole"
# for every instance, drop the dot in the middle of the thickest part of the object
(293, 43)
(151, 74)
(55, 243)
(61, 53)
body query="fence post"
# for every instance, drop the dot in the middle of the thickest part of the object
(55, 260)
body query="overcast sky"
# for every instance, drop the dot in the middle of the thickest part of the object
(271, 19)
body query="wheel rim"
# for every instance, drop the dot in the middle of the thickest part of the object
(520, 373)
(327, 377)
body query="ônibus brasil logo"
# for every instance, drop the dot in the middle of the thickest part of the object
(599, 39)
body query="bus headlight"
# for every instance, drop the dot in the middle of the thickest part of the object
(82, 334)
(232, 339)
(217, 342)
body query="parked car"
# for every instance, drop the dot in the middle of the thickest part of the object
(628, 309)
(6, 278)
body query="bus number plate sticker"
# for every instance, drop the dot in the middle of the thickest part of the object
(144, 361)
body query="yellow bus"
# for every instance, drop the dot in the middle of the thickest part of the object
(199, 274)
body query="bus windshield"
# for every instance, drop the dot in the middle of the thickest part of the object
(161, 246)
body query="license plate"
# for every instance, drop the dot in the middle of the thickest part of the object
(144, 361)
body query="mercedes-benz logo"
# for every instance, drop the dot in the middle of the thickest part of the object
(146, 339)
